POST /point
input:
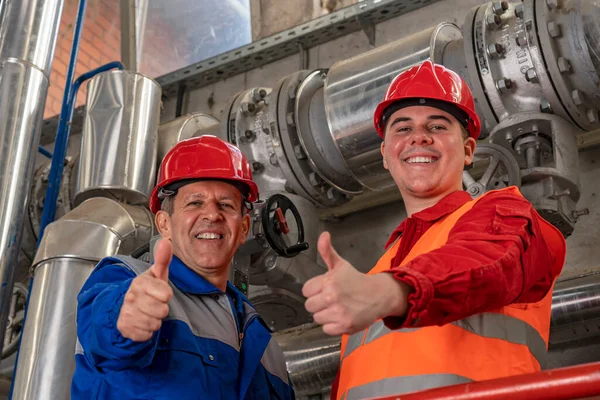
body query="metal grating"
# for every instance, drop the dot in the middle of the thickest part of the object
(362, 15)
(310, 34)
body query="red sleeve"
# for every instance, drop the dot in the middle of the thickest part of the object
(495, 256)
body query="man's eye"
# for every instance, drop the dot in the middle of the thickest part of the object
(226, 205)
(438, 128)
(403, 129)
(194, 203)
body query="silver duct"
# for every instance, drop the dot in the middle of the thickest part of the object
(354, 87)
(102, 227)
(118, 161)
(28, 31)
(119, 145)
(575, 309)
(312, 358)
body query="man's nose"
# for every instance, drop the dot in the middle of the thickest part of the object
(211, 212)
(420, 136)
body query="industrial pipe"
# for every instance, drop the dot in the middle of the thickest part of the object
(103, 227)
(576, 382)
(60, 145)
(28, 32)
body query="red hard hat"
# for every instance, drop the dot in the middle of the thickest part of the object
(428, 81)
(204, 157)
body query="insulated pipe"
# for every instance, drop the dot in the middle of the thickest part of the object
(103, 227)
(354, 87)
(28, 31)
(60, 147)
(62, 140)
(575, 309)
(312, 358)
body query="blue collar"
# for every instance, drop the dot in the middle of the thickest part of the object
(189, 281)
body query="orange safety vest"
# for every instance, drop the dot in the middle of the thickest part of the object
(507, 341)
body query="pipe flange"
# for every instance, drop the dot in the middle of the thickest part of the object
(477, 67)
(253, 134)
(508, 70)
(287, 142)
(567, 58)
(313, 147)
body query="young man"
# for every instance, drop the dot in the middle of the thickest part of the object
(178, 329)
(464, 290)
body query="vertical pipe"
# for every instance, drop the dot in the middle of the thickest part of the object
(62, 140)
(28, 32)
(62, 134)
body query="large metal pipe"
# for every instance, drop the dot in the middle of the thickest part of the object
(575, 309)
(28, 31)
(355, 86)
(47, 354)
(311, 356)
(119, 145)
(118, 161)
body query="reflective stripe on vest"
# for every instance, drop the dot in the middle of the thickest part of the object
(502, 342)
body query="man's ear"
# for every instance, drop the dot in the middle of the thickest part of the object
(382, 148)
(469, 145)
(162, 219)
(245, 228)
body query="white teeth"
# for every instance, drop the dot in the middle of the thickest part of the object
(208, 236)
(420, 160)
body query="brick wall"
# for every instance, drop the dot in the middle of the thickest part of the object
(100, 43)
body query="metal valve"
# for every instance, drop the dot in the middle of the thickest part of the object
(276, 226)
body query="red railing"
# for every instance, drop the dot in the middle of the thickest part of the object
(578, 382)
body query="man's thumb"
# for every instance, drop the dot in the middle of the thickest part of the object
(328, 253)
(163, 252)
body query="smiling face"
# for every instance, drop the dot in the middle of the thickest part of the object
(425, 152)
(206, 226)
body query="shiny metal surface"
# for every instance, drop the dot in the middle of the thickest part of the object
(311, 356)
(22, 97)
(315, 140)
(47, 354)
(28, 31)
(102, 227)
(119, 146)
(575, 309)
(355, 86)
(184, 127)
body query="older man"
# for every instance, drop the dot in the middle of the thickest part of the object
(464, 290)
(178, 329)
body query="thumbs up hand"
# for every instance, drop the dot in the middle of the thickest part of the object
(146, 302)
(346, 301)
